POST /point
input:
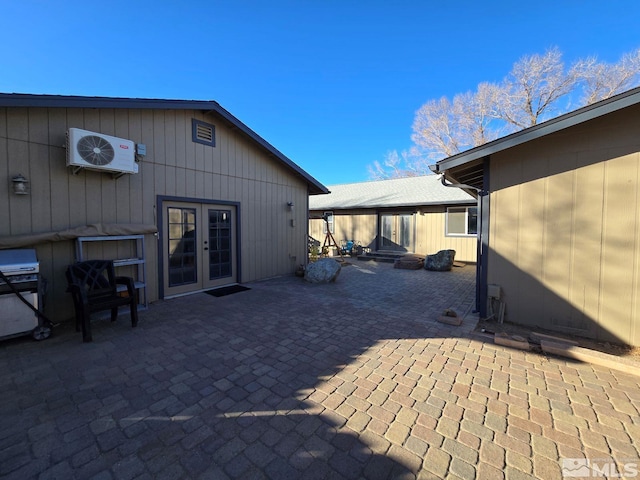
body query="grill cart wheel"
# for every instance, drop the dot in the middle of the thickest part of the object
(41, 333)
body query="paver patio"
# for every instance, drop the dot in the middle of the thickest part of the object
(290, 380)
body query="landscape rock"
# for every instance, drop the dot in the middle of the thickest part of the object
(325, 270)
(441, 261)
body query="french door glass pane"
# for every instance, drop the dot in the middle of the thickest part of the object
(182, 246)
(405, 231)
(219, 244)
(387, 231)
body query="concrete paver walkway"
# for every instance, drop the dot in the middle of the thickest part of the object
(290, 380)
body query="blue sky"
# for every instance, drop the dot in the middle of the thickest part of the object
(334, 85)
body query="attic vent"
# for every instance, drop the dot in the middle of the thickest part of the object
(204, 133)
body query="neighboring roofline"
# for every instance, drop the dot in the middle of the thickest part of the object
(67, 101)
(590, 112)
(471, 201)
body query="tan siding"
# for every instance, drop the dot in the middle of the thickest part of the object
(19, 205)
(169, 137)
(620, 218)
(5, 179)
(31, 142)
(39, 173)
(431, 235)
(564, 229)
(18, 124)
(362, 225)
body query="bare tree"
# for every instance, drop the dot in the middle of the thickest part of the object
(478, 112)
(436, 128)
(395, 165)
(442, 128)
(537, 88)
(601, 80)
(533, 87)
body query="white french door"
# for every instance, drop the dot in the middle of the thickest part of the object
(199, 246)
(396, 232)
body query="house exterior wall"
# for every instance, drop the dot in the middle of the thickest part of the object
(431, 235)
(235, 170)
(358, 225)
(564, 241)
(362, 226)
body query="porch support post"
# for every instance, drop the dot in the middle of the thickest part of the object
(483, 242)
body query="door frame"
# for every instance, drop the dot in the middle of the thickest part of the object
(160, 201)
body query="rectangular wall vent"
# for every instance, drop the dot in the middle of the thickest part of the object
(204, 133)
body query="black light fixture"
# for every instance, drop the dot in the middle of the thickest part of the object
(20, 186)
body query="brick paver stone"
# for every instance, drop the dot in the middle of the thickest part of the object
(354, 379)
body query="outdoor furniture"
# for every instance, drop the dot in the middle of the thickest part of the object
(351, 247)
(94, 287)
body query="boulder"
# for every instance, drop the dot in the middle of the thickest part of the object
(441, 261)
(324, 270)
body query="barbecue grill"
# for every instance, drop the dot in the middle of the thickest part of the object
(21, 269)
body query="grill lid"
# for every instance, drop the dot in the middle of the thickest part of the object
(19, 261)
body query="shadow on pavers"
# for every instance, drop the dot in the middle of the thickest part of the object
(211, 387)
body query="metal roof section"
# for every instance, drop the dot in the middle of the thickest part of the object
(207, 106)
(584, 114)
(396, 192)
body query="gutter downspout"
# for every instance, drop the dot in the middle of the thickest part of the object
(480, 265)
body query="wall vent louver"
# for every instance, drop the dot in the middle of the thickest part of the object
(204, 133)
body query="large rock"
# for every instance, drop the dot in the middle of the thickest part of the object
(441, 261)
(324, 270)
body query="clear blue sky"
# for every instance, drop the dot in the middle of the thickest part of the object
(333, 84)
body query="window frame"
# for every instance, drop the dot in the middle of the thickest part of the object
(466, 221)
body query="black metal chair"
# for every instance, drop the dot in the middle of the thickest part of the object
(94, 287)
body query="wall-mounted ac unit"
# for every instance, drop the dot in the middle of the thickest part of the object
(95, 151)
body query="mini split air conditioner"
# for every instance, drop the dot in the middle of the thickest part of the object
(95, 151)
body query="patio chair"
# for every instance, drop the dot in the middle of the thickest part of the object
(94, 287)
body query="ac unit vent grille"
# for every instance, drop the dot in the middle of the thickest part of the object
(95, 150)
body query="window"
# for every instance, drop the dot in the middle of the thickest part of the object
(202, 132)
(462, 221)
(329, 217)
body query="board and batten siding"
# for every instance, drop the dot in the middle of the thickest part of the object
(429, 223)
(235, 170)
(565, 229)
(431, 235)
(358, 225)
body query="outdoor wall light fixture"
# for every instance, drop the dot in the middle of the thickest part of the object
(290, 205)
(20, 186)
